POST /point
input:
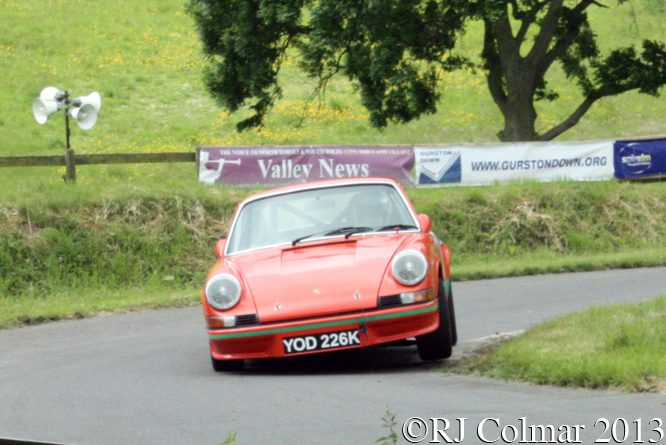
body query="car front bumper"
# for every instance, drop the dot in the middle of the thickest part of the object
(375, 327)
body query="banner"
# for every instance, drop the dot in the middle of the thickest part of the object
(538, 161)
(639, 159)
(297, 164)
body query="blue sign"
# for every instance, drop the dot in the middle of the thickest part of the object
(640, 159)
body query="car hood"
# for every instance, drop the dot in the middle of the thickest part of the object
(317, 279)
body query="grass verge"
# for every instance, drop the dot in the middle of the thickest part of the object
(75, 251)
(81, 303)
(545, 261)
(618, 347)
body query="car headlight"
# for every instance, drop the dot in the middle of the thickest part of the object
(409, 267)
(223, 291)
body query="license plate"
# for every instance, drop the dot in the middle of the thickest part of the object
(317, 342)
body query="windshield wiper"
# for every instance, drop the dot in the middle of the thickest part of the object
(346, 231)
(396, 226)
(349, 231)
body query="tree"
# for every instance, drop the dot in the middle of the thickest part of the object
(395, 52)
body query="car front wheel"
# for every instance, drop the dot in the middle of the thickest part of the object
(438, 344)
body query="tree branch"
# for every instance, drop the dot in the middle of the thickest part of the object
(570, 121)
(527, 21)
(600, 4)
(517, 14)
(494, 67)
(591, 98)
(507, 43)
(323, 79)
(547, 32)
(563, 43)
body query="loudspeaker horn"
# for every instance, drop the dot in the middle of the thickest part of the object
(47, 103)
(85, 116)
(52, 93)
(93, 99)
(42, 109)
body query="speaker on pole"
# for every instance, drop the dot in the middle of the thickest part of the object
(93, 99)
(85, 116)
(52, 93)
(82, 109)
(86, 109)
(49, 101)
(42, 109)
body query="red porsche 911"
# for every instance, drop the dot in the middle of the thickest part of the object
(325, 266)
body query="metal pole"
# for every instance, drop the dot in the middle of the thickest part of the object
(67, 118)
(70, 163)
(67, 127)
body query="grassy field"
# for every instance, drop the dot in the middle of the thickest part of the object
(144, 59)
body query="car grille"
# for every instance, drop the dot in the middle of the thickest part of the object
(389, 301)
(246, 320)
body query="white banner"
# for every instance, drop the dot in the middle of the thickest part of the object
(536, 161)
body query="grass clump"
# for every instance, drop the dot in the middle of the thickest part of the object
(613, 347)
(554, 227)
(111, 244)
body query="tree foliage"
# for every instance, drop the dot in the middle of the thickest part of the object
(395, 52)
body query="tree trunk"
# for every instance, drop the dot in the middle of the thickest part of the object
(512, 81)
(519, 122)
(519, 113)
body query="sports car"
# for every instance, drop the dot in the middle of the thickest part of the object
(325, 266)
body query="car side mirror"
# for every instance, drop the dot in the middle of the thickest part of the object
(425, 223)
(219, 248)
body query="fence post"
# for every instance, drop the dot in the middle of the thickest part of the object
(197, 155)
(70, 164)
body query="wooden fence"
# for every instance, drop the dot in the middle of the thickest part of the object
(70, 160)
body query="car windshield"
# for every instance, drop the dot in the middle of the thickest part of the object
(316, 213)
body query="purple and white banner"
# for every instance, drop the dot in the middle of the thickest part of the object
(493, 163)
(296, 164)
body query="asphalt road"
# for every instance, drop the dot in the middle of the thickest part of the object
(145, 378)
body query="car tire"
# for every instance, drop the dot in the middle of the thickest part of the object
(227, 365)
(452, 316)
(437, 344)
